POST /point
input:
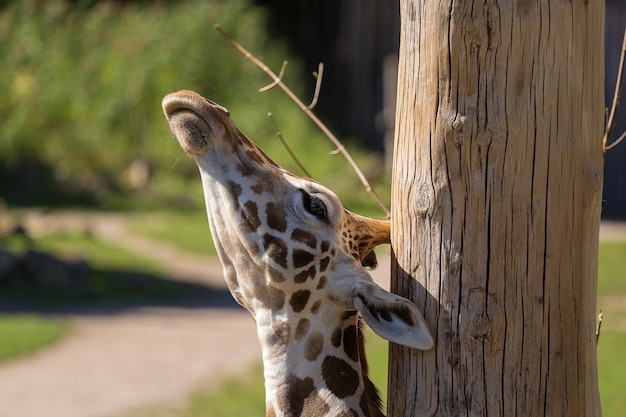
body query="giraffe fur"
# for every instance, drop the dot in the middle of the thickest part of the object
(297, 260)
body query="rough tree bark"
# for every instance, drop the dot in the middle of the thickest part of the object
(497, 186)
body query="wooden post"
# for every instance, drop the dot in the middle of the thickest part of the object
(496, 187)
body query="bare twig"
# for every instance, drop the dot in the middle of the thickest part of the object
(614, 144)
(598, 327)
(312, 116)
(618, 85)
(275, 82)
(318, 76)
(282, 139)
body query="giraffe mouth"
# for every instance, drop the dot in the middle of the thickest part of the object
(195, 121)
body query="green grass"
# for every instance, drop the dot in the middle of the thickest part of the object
(612, 370)
(235, 397)
(22, 335)
(612, 344)
(187, 230)
(612, 269)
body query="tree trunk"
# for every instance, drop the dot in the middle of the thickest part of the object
(497, 192)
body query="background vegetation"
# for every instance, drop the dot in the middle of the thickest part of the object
(81, 102)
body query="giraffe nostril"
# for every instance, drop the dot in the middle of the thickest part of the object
(191, 130)
(195, 121)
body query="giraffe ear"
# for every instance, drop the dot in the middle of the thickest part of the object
(393, 317)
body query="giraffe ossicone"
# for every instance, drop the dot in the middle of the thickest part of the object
(295, 258)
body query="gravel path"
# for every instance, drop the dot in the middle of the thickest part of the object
(117, 360)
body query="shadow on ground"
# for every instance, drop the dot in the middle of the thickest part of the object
(109, 291)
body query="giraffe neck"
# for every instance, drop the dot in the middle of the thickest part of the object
(313, 369)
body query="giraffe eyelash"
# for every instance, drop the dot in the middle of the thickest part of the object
(315, 205)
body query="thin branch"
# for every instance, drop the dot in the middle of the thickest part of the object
(309, 113)
(614, 144)
(618, 85)
(318, 75)
(282, 139)
(598, 327)
(273, 84)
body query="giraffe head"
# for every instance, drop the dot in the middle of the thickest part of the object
(293, 256)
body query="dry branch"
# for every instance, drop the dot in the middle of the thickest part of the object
(284, 142)
(618, 85)
(318, 84)
(598, 327)
(278, 82)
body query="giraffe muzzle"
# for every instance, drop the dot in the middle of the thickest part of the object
(195, 121)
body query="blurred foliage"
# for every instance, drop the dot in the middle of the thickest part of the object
(82, 86)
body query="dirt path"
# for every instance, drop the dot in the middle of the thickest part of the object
(117, 360)
(114, 361)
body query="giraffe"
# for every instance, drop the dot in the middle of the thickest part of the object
(296, 259)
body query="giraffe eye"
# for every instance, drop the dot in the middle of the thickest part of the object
(314, 205)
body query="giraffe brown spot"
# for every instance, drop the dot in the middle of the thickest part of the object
(235, 190)
(324, 264)
(263, 187)
(304, 237)
(276, 249)
(276, 298)
(255, 156)
(335, 337)
(325, 246)
(253, 247)
(315, 406)
(323, 282)
(280, 334)
(302, 328)
(341, 378)
(258, 188)
(292, 395)
(306, 274)
(299, 299)
(350, 345)
(348, 413)
(250, 216)
(275, 275)
(316, 306)
(244, 169)
(276, 217)
(269, 411)
(302, 258)
(314, 346)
